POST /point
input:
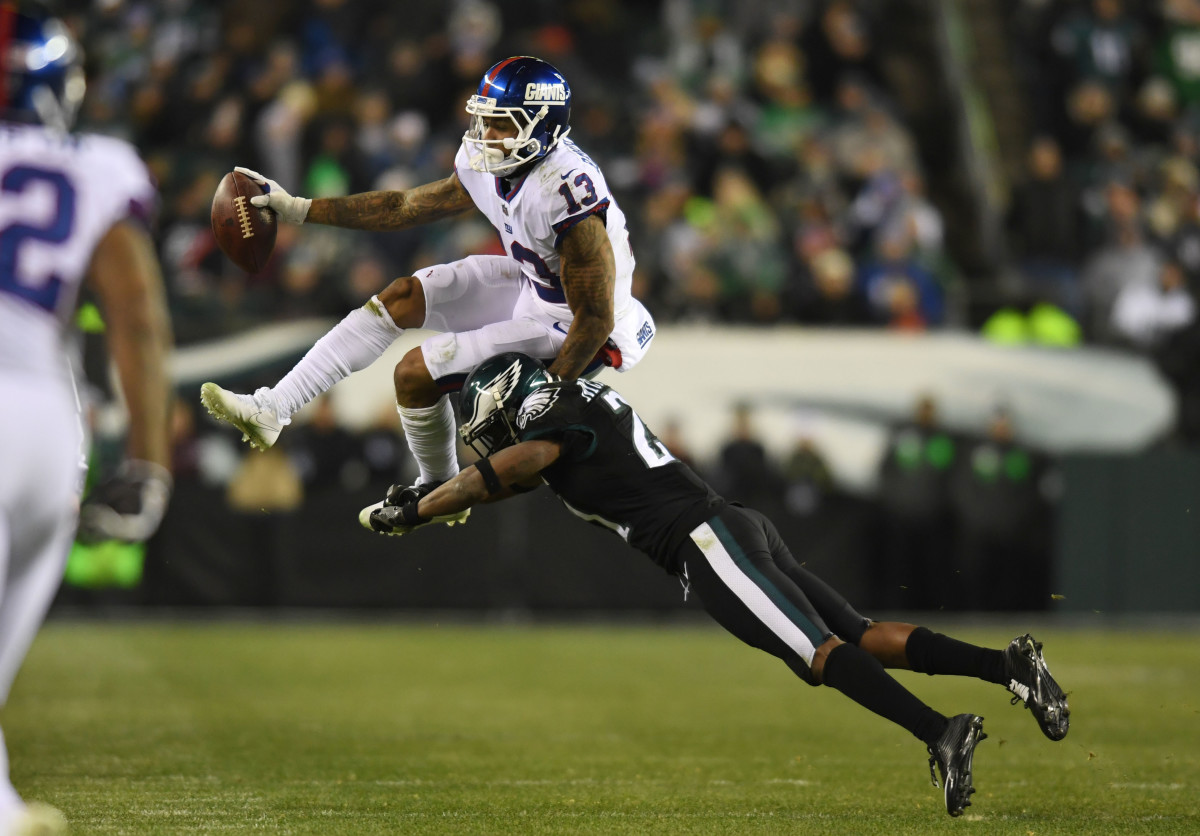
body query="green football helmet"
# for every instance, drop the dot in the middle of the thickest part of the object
(491, 396)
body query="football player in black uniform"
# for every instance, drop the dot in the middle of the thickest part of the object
(584, 441)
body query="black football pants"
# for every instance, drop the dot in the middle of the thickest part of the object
(748, 580)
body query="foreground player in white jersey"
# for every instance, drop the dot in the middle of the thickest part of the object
(69, 214)
(561, 294)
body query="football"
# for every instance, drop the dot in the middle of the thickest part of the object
(245, 233)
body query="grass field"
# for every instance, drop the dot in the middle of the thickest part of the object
(162, 728)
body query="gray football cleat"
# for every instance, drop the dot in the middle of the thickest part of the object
(252, 414)
(1031, 683)
(954, 755)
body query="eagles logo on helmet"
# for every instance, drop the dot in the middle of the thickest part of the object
(535, 97)
(491, 396)
(42, 79)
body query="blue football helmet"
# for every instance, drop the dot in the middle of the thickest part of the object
(491, 397)
(42, 63)
(535, 97)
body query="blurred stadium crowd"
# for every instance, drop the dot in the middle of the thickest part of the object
(1105, 221)
(753, 145)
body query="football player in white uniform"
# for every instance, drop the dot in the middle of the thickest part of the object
(69, 213)
(561, 293)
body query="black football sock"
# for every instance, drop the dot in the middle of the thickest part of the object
(861, 677)
(936, 654)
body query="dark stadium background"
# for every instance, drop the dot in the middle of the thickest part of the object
(998, 172)
(924, 275)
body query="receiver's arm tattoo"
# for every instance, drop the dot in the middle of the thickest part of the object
(392, 209)
(589, 279)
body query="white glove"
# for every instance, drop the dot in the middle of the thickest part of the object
(290, 209)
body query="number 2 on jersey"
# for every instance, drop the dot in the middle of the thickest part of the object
(42, 291)
(649, 449)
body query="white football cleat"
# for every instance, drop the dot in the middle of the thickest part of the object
(249, 413)
(37, 820)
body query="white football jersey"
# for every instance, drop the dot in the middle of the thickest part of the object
(59, 195)
(560, 191)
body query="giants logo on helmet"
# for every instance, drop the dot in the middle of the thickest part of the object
(555, 94)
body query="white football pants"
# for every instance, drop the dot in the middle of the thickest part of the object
(483, 306)
(40, 443)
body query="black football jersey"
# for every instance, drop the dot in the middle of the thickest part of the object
(614, 471)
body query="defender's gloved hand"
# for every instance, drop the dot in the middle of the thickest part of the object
(127, 506)
(392, 519)
(289, 208)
